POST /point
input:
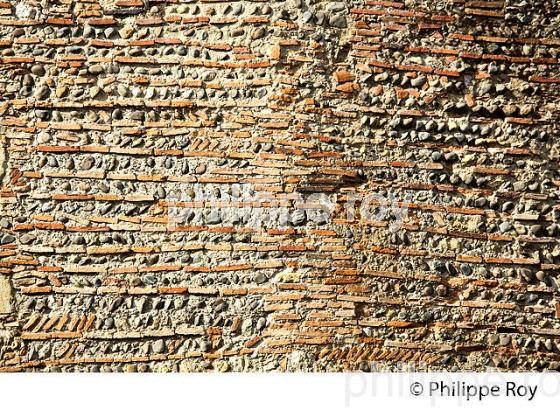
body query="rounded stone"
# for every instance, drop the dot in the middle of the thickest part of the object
(338, 21)
(96, 69)
(200, 169)
(42, 92)
(38, 70)
(298, 217)
(441, 290)
(158, 346)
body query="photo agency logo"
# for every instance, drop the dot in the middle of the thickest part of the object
(241, 205)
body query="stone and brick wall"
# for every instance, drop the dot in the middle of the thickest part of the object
(115, 113)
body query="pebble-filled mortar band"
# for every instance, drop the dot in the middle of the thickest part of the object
(117, 116)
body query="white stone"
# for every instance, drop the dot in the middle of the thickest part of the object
(5, 295)
(23, 11)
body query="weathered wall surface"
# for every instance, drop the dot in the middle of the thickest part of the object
(109, 110)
